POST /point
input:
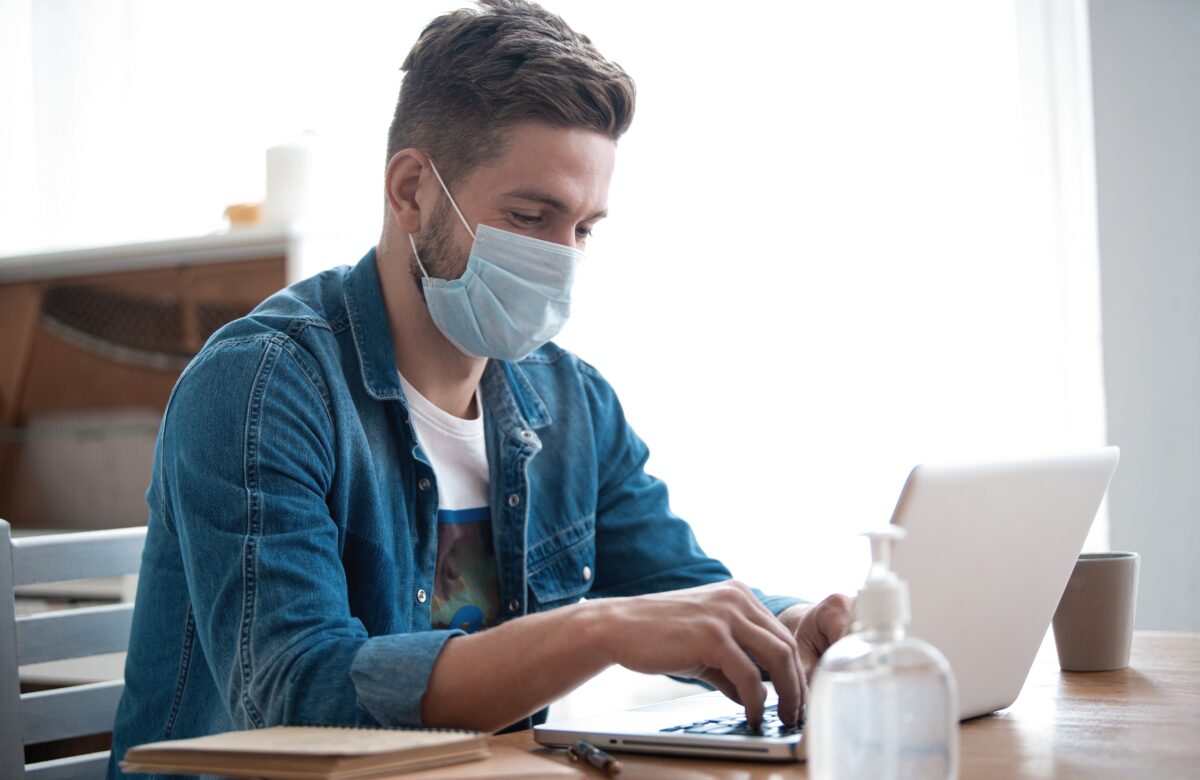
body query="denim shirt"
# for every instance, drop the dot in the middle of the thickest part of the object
(292, 536)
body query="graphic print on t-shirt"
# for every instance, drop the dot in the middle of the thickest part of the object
(466, 591)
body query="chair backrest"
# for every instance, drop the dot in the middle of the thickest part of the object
(79, 710)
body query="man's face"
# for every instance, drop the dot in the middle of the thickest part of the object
(551, 183)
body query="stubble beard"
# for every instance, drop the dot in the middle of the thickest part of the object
(437, 251)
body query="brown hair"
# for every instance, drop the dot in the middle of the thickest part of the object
(473, 74)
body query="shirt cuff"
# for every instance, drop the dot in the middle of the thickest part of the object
(777, 604)
(391, 674)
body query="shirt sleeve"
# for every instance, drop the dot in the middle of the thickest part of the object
(641, 545)
(246, 464)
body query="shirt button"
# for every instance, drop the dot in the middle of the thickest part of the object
(527, 435)
(421, 595)
(587, 573)
(514, 605)
(514, 499)
(423, 484)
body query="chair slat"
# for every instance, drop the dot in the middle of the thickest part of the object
(70, 712)
(88, 765)
(12, 753)
(73, 633)
(76, 556)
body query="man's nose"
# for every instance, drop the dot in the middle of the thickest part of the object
(565, 236)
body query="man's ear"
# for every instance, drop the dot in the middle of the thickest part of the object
(406, 181)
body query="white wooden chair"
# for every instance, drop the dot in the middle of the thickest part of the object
(79, 710)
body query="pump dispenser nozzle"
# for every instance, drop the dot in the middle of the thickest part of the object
(883, 600)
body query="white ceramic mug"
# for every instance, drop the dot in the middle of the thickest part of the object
(1093, 626)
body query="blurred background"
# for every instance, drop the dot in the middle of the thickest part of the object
(845, 238)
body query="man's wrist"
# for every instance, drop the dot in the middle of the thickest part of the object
(594, 622)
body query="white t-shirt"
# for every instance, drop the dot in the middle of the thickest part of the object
(466, 592)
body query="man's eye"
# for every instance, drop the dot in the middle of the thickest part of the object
(525, 219)
(583, 232)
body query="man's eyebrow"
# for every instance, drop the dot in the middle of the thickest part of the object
(539, 196)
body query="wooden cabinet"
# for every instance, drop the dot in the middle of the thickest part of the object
(91, 343)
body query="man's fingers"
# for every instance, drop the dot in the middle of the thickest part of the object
(821, 626)
(716, 679)
(721, 630)
(789, 685)
(838, 617)
(736, 665)
(805, 679)
(762, 617)
(808, 659)
(779, 658)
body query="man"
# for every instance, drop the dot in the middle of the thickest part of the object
(380, 497)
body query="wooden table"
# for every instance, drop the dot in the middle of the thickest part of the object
(1140, 722)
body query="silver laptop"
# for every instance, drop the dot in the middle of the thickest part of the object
(989, 550)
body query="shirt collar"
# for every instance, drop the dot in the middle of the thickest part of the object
(372, 336)
(510, 394)
(505, 386)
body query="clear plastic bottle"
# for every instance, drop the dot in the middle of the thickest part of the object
(884, 705)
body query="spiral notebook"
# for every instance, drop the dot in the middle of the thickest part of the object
(310, 752)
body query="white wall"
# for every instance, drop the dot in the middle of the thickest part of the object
(20, 207)
(1146, 82)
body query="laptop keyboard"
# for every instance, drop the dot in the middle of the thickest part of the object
(772, 726)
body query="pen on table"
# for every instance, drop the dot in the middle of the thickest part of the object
(585, 751)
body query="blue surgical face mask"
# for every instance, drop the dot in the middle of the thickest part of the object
(514, 296)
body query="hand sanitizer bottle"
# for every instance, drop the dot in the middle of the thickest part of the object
(884, 705)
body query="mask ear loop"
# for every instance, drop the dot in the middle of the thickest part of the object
(446, 190)
(416, 256)
(457, 211)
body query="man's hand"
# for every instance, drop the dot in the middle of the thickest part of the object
(713, 633)
(817, 626)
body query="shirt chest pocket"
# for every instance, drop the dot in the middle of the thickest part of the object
(562, 565)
